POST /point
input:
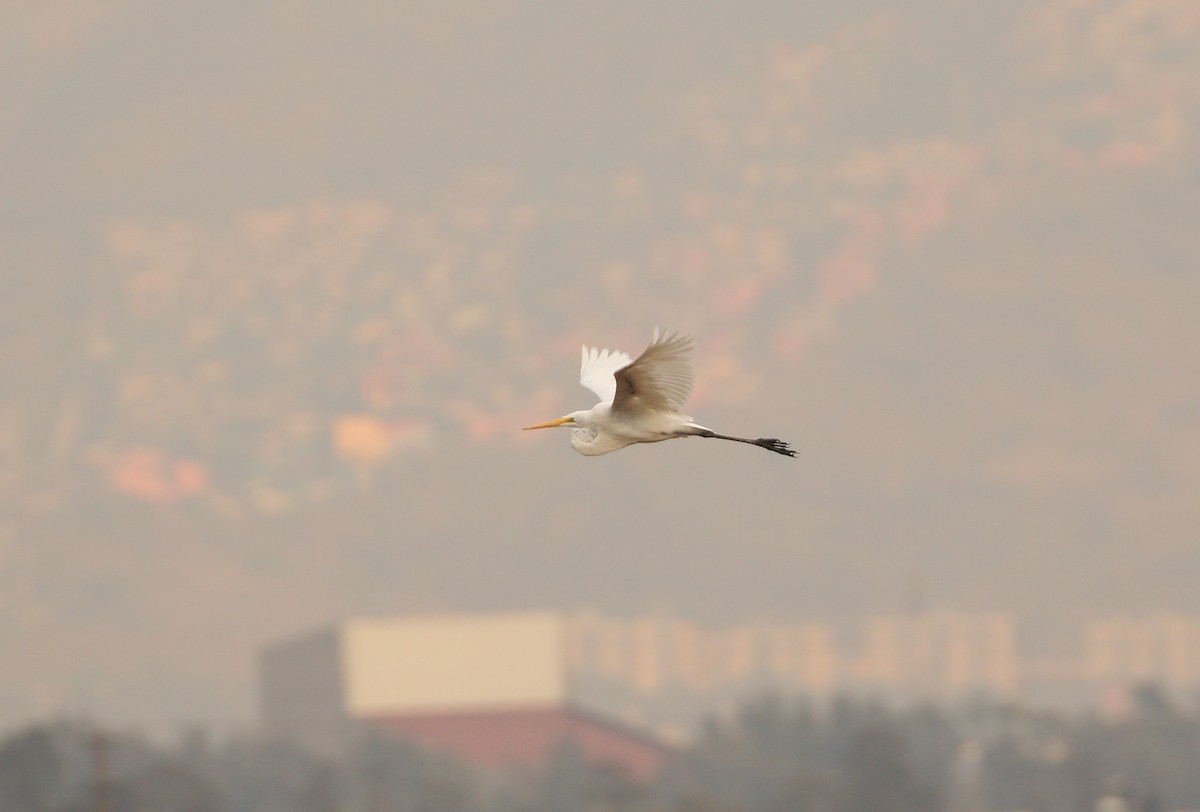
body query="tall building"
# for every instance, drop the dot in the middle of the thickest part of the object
(1160, 648)
(940, 653)
(654, 654)
(492, 689)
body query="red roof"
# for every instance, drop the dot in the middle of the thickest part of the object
(527, 737)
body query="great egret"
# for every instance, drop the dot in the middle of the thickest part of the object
(640, 400)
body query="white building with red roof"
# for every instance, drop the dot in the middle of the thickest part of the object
(492, 689)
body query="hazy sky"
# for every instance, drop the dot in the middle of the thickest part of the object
(285, 279)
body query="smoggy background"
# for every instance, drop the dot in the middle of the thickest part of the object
(282, 281)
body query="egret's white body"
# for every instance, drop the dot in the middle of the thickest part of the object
(640, 400)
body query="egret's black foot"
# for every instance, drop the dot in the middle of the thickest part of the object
(778, 446)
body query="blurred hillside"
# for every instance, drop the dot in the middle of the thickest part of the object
(284, 281)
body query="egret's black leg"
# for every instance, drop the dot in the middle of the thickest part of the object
(769, 443)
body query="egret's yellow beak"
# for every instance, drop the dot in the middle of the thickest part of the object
(549, 424)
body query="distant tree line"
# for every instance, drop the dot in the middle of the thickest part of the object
(773, 756)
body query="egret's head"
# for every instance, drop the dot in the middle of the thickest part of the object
(569, 421)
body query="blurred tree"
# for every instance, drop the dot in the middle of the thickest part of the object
(165, 786)
(771, 757)
(320, 792)
(263, 775)
(389, 772)
(876, 772)
(30, 771)
(570, 781)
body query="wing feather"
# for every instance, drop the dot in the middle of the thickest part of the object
(597, 369)
(661, 377)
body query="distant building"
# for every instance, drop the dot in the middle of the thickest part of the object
(940, 653)
(504, 688)
(653, 655)
(929, 653)
(1157, 648)
(492, 689)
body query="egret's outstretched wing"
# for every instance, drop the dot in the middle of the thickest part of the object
(662, 375)
(596, 371)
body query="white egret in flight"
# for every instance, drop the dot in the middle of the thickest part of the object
(640, 401)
